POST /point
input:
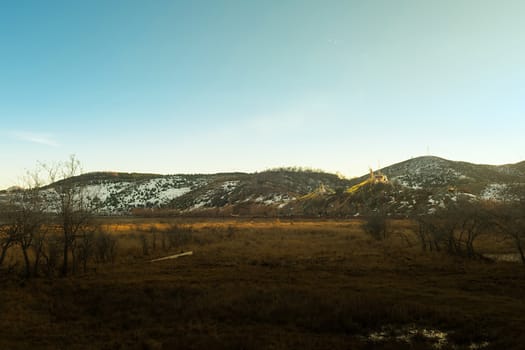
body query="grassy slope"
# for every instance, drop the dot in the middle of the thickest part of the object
(265, 284)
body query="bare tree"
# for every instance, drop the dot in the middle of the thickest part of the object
(38, 247)
(7, 238)
(24, 219)
(73, 207)
(153, 233)
(510, 220)
(454, 227)
(178, 235)
(443, 225)
(105, 247)
(475, 220)
(145, 244)
(51, 255)
(425, 232)
(426, 222)
(85, 248)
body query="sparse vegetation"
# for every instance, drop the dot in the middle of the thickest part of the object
(376, 225)
(308, 284)
(313, 284)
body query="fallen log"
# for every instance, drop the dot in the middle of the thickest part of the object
(173, 256)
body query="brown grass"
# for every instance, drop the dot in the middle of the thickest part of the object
(264, 284)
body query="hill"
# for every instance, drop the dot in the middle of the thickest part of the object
(423, 181)
(418, 184)
(230, 193)
(434, 172)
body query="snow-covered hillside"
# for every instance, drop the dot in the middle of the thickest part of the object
(423, 183)
(425, 172)
(121, 197)
(487, 181)
(119, 194)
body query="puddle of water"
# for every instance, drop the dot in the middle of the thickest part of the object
(507, 257)
(478, 346)
(406, 334)
(436, 338)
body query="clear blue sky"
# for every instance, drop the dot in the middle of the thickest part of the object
(206, 86)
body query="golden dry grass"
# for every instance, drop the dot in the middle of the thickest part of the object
(264, 284)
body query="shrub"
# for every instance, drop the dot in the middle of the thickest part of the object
(376, 226)
(105, 247)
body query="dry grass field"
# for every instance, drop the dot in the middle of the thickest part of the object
(268, 284)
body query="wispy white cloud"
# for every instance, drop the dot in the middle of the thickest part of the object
(35, 137)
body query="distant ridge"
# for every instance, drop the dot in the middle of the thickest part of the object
(431, 171)
(426, 180)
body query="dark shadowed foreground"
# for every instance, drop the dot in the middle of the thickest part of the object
(269, 285)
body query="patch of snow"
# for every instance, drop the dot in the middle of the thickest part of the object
(172, 193)
(507, 257)
(436, 337)
(229, 186)
(470, 196)
(477, 346)
(202, 201)
(494, 191)
(274, 198)
(199, 205)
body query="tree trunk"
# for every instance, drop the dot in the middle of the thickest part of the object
(66, 251)
(434, 246)
(38, 250)
(5, 247)
(26, 261)
(520, 249)
(423, 242)
(470, 248)
(38, 254)
(73, 259)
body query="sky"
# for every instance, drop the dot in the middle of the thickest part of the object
(202, 86)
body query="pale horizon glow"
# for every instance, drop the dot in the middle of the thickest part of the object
(38, 138)
(221, 86)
